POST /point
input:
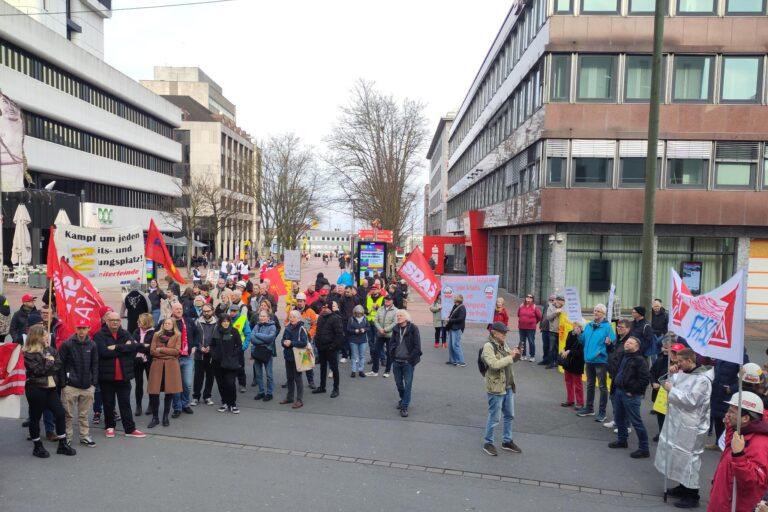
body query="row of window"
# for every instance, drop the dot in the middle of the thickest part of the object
(694, 78)
(43, 128)
(24, 62)
(101, 193)
(526, 99)
(527, 25)
(646, 7)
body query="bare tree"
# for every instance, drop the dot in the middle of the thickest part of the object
(289, 190)
(376, 153)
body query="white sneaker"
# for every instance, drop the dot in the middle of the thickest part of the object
(343, 360)
(330, 375)
(609, 424)
(193, 403)
(208, 401)
(629, 430)
(386, 375)
(371, 374)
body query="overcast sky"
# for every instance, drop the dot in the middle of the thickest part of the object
(289, 64)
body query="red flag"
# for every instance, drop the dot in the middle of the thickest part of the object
(157, 251)
(77, 300)
(416, 272)
(52, 261)
(276, 278)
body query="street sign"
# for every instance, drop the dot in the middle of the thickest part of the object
(379, 235)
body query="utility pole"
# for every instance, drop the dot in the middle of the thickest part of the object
(649, 213)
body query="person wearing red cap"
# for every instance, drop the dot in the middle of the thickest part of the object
(80, 368)
(20, 319)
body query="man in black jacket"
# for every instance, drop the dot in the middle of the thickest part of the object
(346, 306)
(629, 389)
(79, 372)
(116, 353)
(643, 331)
(328, 339)
(20, 319)
(405, 353)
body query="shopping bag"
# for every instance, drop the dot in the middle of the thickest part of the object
(660, 404)
(304, 357)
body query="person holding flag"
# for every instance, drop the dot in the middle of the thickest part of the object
(157, 251)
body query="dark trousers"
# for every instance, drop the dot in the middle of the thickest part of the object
(345, 350)
(122, 390)
(382, 345)
(439, 335)
(597, 371)
(627, 410)
(717, 421)
(203, 372)
(241, 377)
(226, 382)
(529, 335)
(329, 358)
(154, 404)
(660, 421)
(549, 346)
(294, 381)
(139, 369)
(39, 400)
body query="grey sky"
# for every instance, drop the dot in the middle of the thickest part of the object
(288, 65)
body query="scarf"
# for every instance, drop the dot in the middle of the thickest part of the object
(184, 343)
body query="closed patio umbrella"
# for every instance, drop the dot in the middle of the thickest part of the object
(21, 251)
(62, 219)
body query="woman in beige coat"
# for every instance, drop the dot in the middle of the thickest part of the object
(165, 373)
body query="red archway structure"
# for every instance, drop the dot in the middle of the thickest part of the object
(475, 240)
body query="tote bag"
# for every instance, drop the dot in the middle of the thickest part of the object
(305, 356)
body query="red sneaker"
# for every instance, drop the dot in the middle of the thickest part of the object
(437, 345)
(110, 432)
(136, 433)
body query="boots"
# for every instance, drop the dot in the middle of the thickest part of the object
(65, 449)
(137, 411)
(155, 421)
(40, 451)
(166, 421)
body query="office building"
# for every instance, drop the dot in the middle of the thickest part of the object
(548, 149)
(437, 154)
(104, 139)
(215, 151)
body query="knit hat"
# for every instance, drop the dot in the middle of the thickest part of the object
(640, 310)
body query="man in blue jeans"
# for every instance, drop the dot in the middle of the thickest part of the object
(405, 353)
(499, 387)
(190, 340)
(631, 381)
(595, 339)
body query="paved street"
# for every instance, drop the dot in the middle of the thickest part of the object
(352, 452)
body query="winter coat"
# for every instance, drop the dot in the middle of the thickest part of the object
(456, 320)
(135, 304)
(501, 315)
(125, 350)
(615, 353)
(660, 322)
(19, 322)
(658, 370)
(725, 383)
(347, 306)
(205, 329)
(193, 333)
(79, 363)
(632, 376)
(264, 334)
(750, 467)
(165, 372)
(643, 331)
(309, 319)
(593, 340)
(385, 320)
(552, 316)
(437, 314)
(574, 361)
(410, 336)
(528, 316)
(155, 298)
(226, 347)
(330, 332)
(41, 371)
(682, 438)
(357, 329)
(297, 335)
(499, 375)
(345, 278)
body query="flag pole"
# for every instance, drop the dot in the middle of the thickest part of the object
(738, 431)
(666, 441)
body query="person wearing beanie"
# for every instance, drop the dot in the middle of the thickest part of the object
(643, 331)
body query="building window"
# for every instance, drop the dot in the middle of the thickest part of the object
(692, 79)
(556, 170)
(596, 78)
(592, 171)
(687, 172)
(736, 164)
(695, 7)
(745, 7)
(560, 85)
(599, 6)
(741, 79)
(642, 6)
(632, 171)
(563, 7)
(638, 81)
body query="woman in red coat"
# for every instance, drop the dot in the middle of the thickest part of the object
(500, 313)
(528, 317)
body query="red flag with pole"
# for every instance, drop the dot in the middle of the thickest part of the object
(416, 272)
(276, 276)
(157, 251)
(76, 300)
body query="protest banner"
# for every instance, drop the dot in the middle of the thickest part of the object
(611, 300)
(109, 258)
(711, 323)
(416, 272)
(479, 294)
(292, 265)
(572, 304)
(12, 158)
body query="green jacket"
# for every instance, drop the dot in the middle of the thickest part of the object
(385, 319)
(499, 376)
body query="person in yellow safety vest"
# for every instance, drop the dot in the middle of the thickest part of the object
(373, 302)
(239, 318)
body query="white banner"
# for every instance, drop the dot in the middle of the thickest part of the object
(109, 258)
(479, 294)
(611, 300)
(573, 304)
(11, 146)
(292, 265)
(711, 323)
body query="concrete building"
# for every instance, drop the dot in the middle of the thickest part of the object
(215, 150)
(320, 241)
(548, 149)
(106, 140)
(436, 223)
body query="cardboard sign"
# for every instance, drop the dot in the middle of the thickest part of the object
(292, 265)
(572, 304)
(479, 294)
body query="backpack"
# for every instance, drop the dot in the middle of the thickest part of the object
(481, 366)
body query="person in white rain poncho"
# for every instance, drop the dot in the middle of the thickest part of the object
(682, 438)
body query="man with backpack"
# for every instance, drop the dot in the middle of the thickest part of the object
(495, 364)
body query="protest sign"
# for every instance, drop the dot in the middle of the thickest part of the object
(611, 299)
(109, 258)
(572, 304)
(292, 265)
(479, 294)
(415, 270)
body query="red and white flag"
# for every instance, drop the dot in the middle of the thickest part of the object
(712, 323)
(416, 272)
(12, 372)
(76, 300)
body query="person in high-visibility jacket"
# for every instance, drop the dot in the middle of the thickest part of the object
(239, 318)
